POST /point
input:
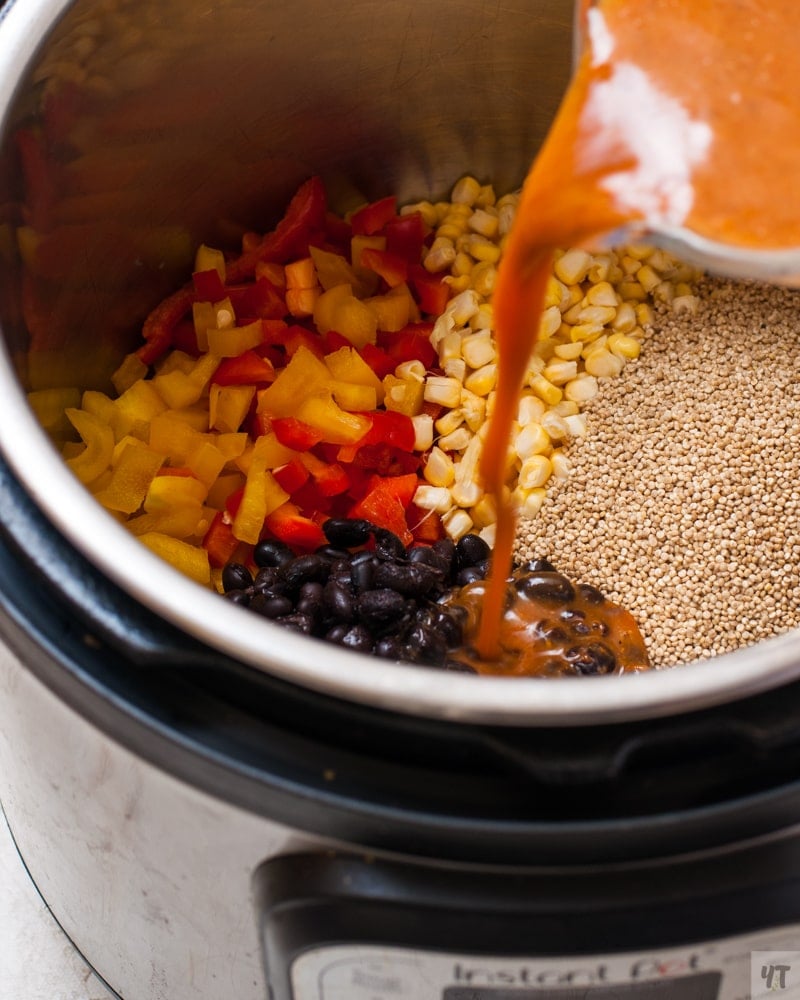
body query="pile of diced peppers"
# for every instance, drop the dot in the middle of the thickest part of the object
(345, 367)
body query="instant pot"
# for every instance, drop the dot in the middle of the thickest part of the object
(214, 807)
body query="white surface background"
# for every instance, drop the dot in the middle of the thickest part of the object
(37, 961)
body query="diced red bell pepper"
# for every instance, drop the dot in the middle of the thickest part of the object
(385, 504)
(299, 532)
(233, 502)
(391, 428)
(291, 476)
(38, 170)
(429, 290)
(382, 459)
(425, 525)
(160, 325)
(378, 360)
(273, 331)
(405, 236)
(412, 343)
(208, 285)
(304, 217)
(295, 434)
(184, 338)
(246, 369)
(219, 541)
(333, 341)
(338, 233)
(330, 479)
(297, 337)
(390, 266)
(259, 299)
(370, 219)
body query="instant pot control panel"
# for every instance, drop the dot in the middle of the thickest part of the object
(352, 928)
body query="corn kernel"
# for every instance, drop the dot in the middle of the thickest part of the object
(467, 190)
(483, 278)
(546, 391)
(685, 304)
(457, 523)
(581, 389)
(535, 471)
(489, 534)
(463, 307)
(626, 347)
(486, 197)
(570, 351)
(562, 467)
(482, 249)
(576, 424)
(531, 502)
(425, 209)
(625, 320)
(478, 349)
(604, 364)
(457, 285)
(530, 408)
(550, 322)
(645, 315)
(433, 498)
(457, 440)
(560, 372)
(463, 264)
(450, 345)
(440, 256)
(482, 381)
(423, 431)
(474, 410)
(443, 390)
(455, 368)
(439, 470)
(484, 223)
(597, 314)
(532, 439)
(572, 266)
(449, 421)
(484, 511)
(466, 494)
(555, 426)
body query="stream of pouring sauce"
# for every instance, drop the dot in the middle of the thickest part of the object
(680, 113)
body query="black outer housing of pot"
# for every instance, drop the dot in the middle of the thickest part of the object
(382, 781)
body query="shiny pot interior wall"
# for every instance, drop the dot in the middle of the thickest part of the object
(141, 129)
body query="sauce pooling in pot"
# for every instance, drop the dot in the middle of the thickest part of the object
(681, 113)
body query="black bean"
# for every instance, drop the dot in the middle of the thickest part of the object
(554, 634)
(592, 658)
(424, 645)
(337, 633)
(235, 576)
(389, 648)
(590, 593)
(304, 569)
(309, 600)
(445, 548)
(537, 566)
(273, 606)
(347, 533)
(380, 607)
(358, 638)
(362, 570)
(448, 620)
(459, 667)
(331, 553)
(546, 586)
(410, 579)
(239, 597)
(580, 628)
(338, 602)
(430, 557)
(600, 627)
(266, 579)
(470, 550)
(388, 545)
(297, 623)
(270, 552)
(468, 575)
(340, 571)
(571, 615)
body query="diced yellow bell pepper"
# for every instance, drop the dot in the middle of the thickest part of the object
(327, 303)
(98, 437)
(228, 406)
(173, 437)
(130, 371)
(404, 395)
(175, 360)
(182, 522)
(335, 424)
(262, 495)
(356, 321)
(136, 407)
(392, 311)
(301, 302)
(300, 274)
(131, 478)
(204, 318)
(173, 492)
(231, 445)
(235, 340)
(275, 454)
(192, 560)
(333, 269)
(352, 397)
(206, 462)
(179, 389)
(225, 484)
(49, 406)
(209, 259)
(305, 374)
(347, 365)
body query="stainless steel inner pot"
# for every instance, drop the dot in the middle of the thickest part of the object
(170, 122)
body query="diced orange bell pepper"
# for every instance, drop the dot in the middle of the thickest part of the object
(262, 495)
(191, 560)
(98, 437)
(131, 478)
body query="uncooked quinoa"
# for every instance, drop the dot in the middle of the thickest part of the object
(683, 503)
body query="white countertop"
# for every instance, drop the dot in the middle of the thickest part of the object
(37, 960)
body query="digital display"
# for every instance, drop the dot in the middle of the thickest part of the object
(704, 986)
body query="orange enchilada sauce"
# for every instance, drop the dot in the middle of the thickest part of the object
(681, 113)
